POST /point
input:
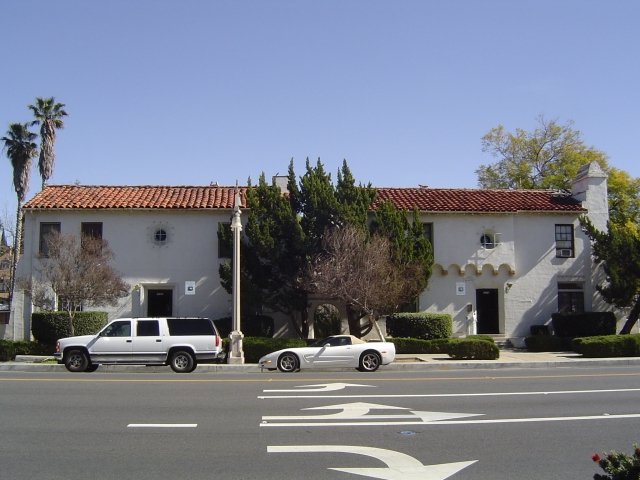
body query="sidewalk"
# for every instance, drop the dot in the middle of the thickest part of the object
(509, 359)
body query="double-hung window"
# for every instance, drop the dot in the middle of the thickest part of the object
(46, 230)
(570, 297)
(564, 241)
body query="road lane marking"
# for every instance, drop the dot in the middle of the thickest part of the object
(162, 425)
(435, 395)
(399, 465)
(453, 422)
(323, 387)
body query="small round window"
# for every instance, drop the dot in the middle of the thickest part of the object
(160, 236)
(486, 240)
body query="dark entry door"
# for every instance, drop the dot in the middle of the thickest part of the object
(160, 303)
(488, 313)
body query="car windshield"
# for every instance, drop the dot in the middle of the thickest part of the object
(320, 343)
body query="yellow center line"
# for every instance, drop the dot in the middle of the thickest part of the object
(312, 380)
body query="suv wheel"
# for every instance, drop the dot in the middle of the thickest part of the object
(182, 362)
(76, 361)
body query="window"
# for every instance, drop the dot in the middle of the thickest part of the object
(5, 265)
(225, 240)
(564, 241)
(160, 236)
(47, 229)
(190, 326)
(486, 240)
(117, 329)
(570, 297)
(3, 285)
(91, 229)
(63, 305)
(427, 228)
(148, 328)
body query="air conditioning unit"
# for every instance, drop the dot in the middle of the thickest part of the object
(565, 253)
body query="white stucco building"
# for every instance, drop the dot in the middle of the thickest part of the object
(512, 256)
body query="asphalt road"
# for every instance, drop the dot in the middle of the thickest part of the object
(480, 424)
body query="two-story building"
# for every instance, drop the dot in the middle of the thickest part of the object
(511, 257)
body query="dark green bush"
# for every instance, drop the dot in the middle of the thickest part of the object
(256, 347)
(608, 346)
(486, 338)
(548, 343)
(471, 349)
(251, 326)
(586, 324)
(9, 350)
(48, 327)
(539, 329)
(417, 346)
(425, 326)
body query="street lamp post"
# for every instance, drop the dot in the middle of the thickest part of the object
(236, 355)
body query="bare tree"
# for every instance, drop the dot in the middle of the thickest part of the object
(75, 273)
(359, 270)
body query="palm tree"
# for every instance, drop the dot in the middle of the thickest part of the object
(20, 149)
(49, 115)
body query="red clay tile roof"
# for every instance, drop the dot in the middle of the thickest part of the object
(477, 200)
(207, 197)
(148, 196)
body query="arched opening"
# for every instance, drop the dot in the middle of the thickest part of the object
(326, 321)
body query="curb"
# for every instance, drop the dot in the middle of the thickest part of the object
(418, 366)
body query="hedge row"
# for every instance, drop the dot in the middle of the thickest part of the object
(255, 348)
(585, 324)
(9, 350)
(548, 343)
(472, 349)
(477, 347)
(608, 346)
(48, 327)
(423, 325)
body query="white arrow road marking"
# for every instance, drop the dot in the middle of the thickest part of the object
(349, 411)
(358, 410)
(323, 387)
(453, 422)
(438, 416)
(441, 395)
(399, 465)
(162, 425)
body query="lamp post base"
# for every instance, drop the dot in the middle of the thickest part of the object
(236, 355)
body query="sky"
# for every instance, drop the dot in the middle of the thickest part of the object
(192, 92)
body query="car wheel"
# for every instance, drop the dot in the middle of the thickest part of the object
(369, 362)
(288, 362)
(92, 367)
(182, 362)
(76, 361)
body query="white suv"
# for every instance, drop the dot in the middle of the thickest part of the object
(178, 342)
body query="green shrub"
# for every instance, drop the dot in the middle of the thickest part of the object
(608, 346)
(471, 349)
(251, 326)
(417, 346)
(539, 329)
(548, 343)
(9, 349)
(586, 324)
(486, 338)
(48, 327)
(425, 326)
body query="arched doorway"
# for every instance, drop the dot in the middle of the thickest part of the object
(326, 321)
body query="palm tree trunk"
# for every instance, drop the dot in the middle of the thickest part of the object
(632, 318)
(16, 253)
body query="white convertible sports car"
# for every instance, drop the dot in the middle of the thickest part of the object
(335, 351)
